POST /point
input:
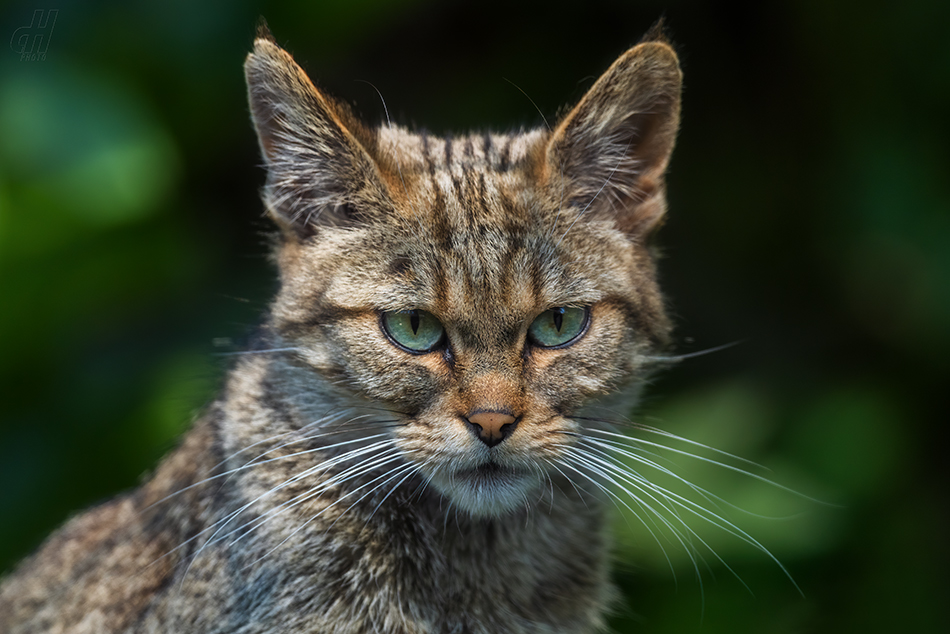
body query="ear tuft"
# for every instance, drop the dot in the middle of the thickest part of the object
(656, 33)
(263, 31)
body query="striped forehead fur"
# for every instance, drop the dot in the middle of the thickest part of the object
(490, 227)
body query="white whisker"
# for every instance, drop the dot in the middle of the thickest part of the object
(567, 460)
(673, 358)
(265, 351)
(219, 525)
(360, 468)
(399, 469)
(677, 501)
(717, 463)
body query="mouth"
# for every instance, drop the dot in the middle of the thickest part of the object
(489, 489)
(491, 472)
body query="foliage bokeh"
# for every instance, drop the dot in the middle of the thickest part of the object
(810, 220)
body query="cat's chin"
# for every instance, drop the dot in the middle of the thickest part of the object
(489, 490)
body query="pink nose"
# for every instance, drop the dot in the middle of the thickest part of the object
(492, 427)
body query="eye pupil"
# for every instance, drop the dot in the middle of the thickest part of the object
(414, 330)
(559, 326)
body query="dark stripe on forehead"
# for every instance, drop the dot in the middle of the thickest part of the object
(487, 148)
(507, 274)
(427, 155)
(448, 151)
(440, 227)
(505, 155)
(480, 193)
(439, 285)
(400, 266)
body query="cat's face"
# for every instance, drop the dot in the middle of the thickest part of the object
(483, 288)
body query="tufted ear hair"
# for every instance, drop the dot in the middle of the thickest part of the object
(318, 154)
(610, 152)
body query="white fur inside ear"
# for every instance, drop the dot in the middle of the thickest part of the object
(319, 171)
(610, 152)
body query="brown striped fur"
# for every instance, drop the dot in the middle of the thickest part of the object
(336, 484)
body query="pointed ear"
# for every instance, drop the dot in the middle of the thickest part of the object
(611, 151)
(318, 158)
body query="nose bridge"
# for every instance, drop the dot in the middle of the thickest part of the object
(493, 381)
(492, 390)
(488, 345)
(492, 404)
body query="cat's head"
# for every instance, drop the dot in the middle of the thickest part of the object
(485, 287)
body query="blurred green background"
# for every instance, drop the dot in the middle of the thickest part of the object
(810, 220)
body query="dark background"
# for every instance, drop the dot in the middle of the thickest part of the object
(810, 220)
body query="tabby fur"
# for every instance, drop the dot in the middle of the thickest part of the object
(336, 484)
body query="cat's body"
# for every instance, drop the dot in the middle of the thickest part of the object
(398, 455)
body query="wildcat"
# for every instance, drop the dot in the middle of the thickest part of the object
(402, 449)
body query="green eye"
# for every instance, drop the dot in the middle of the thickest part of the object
(414, 331)
(559, 327)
